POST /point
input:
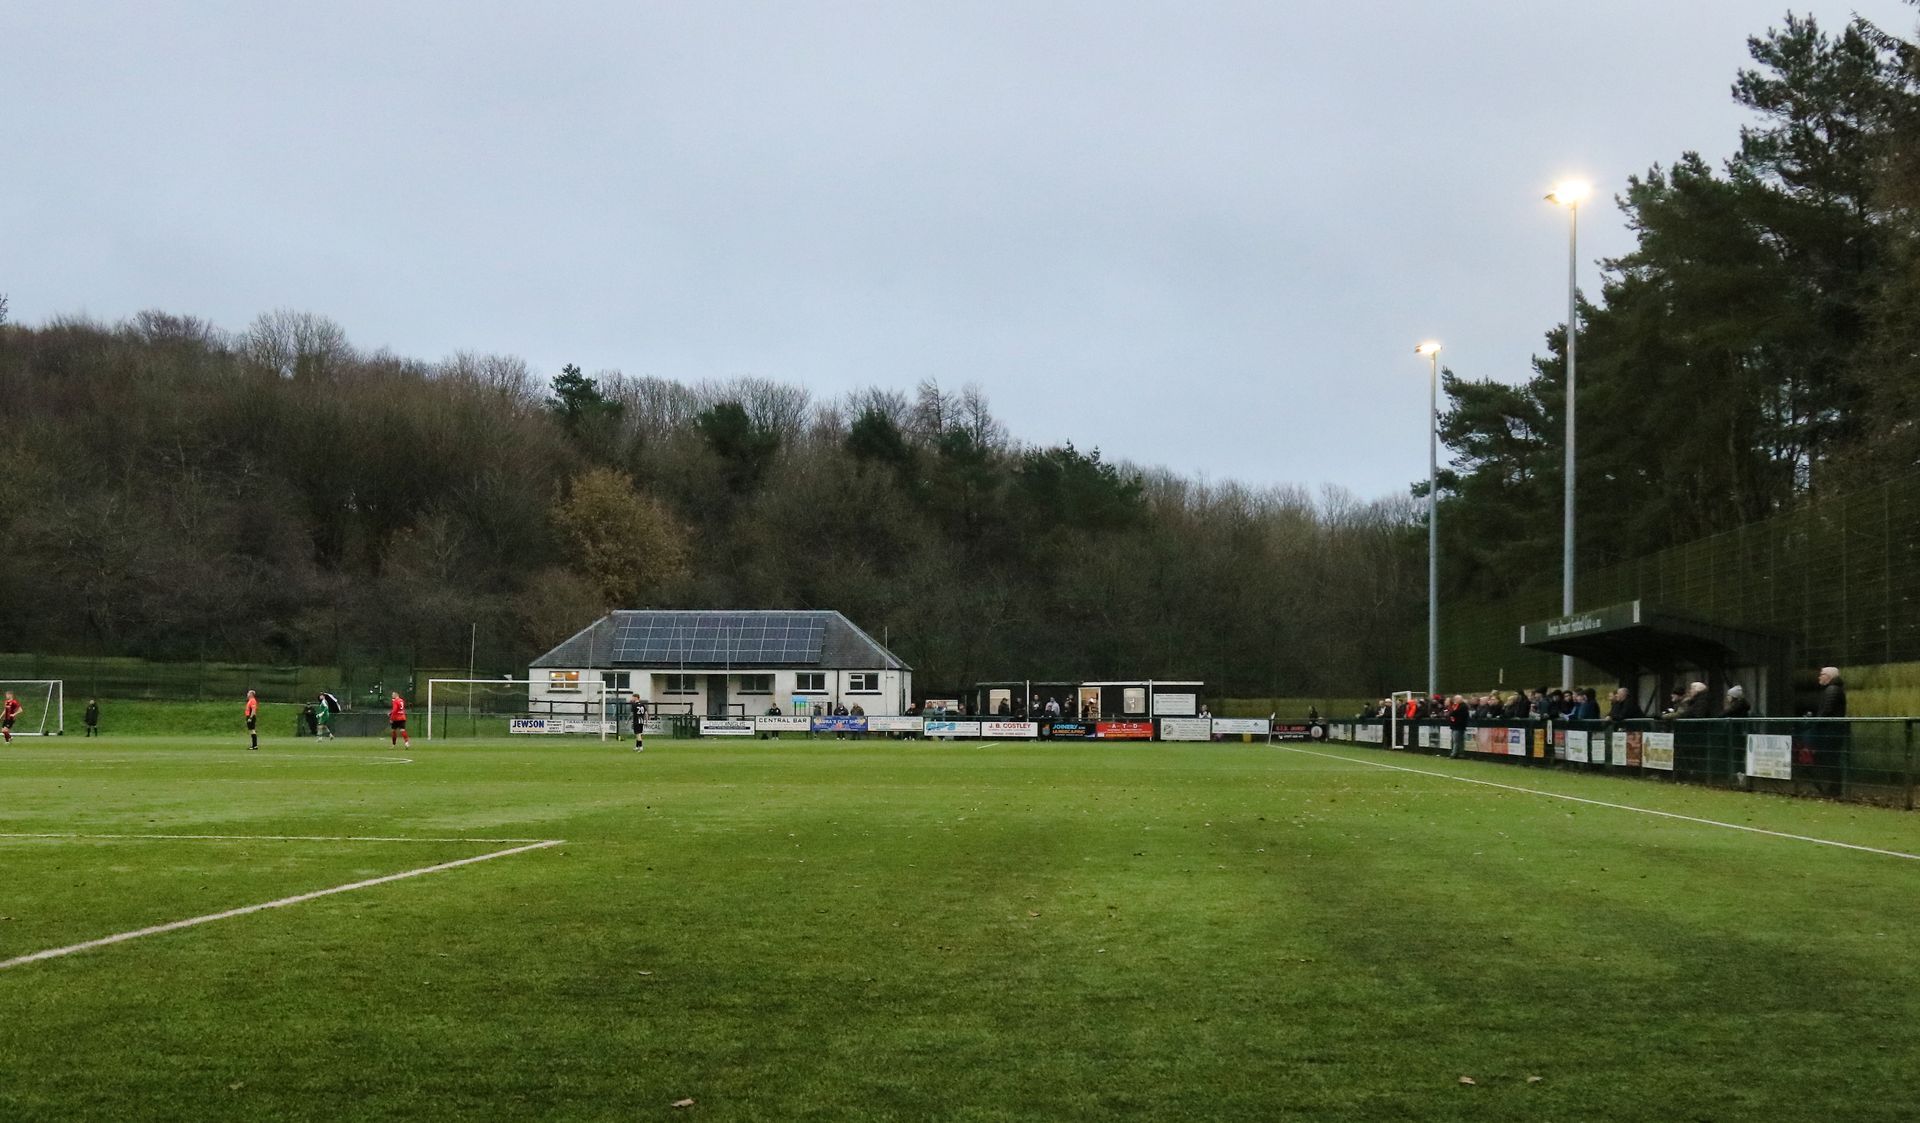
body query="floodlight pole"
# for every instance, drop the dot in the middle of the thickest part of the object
(1573, 330)
(1433, 524)
(1431, 350)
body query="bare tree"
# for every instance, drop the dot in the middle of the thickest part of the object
(296, 344)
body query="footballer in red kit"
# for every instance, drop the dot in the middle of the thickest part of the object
(397, 721)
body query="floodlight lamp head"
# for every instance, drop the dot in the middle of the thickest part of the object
(1570, 192)
(1430, 348)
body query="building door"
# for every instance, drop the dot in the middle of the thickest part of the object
(717, 696)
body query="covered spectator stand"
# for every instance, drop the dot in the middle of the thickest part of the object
(1651, 652)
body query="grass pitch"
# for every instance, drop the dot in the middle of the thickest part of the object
(839, 930)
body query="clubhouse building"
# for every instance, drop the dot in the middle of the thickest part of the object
(724, 664)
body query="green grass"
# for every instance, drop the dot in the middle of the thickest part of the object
(179, 719)
(838, 930)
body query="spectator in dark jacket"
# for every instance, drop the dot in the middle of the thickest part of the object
(1737, 705)
(1695, 703)
(1587, 709)
(1833, 694)
(1457, 717)
(1624, 708)
(1828, 744)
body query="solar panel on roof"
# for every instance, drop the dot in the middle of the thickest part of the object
(719, 637)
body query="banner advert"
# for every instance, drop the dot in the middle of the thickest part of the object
(1010, 730)
(942, 728)
(1770, 755)
(1656, 751)
(1185, 729)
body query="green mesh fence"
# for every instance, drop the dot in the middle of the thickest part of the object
(1840, 577)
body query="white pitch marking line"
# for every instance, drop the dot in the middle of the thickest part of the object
(223, 759)
(256, 837)
(1617, 806)
(175, 926)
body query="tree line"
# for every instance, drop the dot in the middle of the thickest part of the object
(1759, 347)
(275, 494)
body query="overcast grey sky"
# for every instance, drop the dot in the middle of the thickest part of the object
(1204, 235)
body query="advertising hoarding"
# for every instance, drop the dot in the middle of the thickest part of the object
(1770, 755)
(1010, 730)
(1185, 729)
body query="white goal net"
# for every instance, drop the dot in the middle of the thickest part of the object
(43, 705)
(494, 707)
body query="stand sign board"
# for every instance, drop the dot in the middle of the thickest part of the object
(726, 727)
(1176, 705)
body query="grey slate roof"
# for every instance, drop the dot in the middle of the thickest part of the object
(844, 646)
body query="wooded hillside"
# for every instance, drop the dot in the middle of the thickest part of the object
(178, 492)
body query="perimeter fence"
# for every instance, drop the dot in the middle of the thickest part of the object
(1840, 577)
(359, 683)
(1862, 760)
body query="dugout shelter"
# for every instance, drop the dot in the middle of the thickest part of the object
(1140, 699)
(723, 664)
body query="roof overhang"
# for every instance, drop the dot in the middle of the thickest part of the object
(1631, 638)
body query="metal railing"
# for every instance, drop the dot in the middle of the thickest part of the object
(1862, 760)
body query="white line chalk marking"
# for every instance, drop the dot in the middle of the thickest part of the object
(175, 926)
(1615, 806)
(223, 758)
(255, 837)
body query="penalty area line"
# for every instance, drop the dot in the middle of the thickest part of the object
(1615, 806)
(176, 925)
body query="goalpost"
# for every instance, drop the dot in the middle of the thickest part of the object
(509, 698)
(43, 706)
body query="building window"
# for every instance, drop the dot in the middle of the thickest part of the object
(563, 682)
(1135, 700)
(810, 682)
(680, 684)
(863, 682)
(756, 684)
(617, 682)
